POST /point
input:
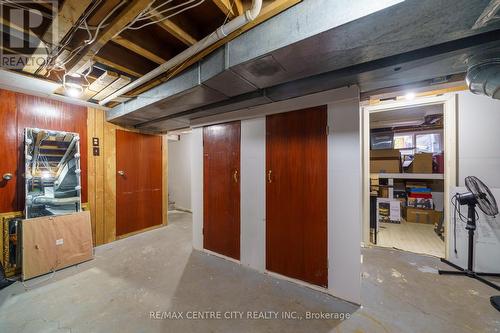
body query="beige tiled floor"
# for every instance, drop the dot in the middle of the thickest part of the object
(413, 237)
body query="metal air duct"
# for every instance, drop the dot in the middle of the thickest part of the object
(483, 75)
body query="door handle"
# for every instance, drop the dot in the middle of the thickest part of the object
(269, 180)
(235, 176)
(7, 176)
(121, 173)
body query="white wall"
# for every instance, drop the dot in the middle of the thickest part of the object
(253, 193)
(344, 185)
(179, 172)
(478, 155)
(197, 186)
(478, 138)
(344, 198)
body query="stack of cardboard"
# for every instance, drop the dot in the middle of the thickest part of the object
(385, 161)
(420, 206)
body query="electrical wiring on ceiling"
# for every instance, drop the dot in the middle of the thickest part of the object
(157, 12)
(177, 68)
(53, 54)
(146, 14)
(58, 55)
(149, 13)
(91, 39)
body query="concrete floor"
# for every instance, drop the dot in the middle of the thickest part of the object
(158, 271)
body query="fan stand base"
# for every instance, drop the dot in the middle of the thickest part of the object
(495, 301)
(469, 273)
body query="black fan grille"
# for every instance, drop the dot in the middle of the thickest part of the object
(485, 200)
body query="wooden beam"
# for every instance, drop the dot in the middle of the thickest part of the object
(116, 66)
(125, 16)
(91, 173)
(44, 4)
(226, 7)
(267, 12)
(176, 31)
(239, 7)
(118, 84)
(98, 85)
(61, 25)
(138, 49)
(109, 183)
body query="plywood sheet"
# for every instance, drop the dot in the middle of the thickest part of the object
(54, 242)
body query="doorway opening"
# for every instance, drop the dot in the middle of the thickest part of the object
(408, 145)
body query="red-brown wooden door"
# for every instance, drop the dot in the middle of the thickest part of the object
(221, 189)
(296, 195)
(138, 181)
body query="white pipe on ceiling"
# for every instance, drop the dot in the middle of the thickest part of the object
(233, 25)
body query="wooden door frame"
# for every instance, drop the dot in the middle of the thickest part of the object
(450, 152)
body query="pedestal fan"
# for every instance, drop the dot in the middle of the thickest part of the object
(478, 195)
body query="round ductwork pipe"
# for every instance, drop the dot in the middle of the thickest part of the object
(483, 75)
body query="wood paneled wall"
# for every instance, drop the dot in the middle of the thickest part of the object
(18, 111)
(95, 174)
(102, 177)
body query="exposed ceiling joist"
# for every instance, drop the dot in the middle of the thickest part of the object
(138, 49)
(228, 7)
(119, 67)
(125, 16)
(62, 24)
(266, 13)
(133, 52)
(239, 7)
(98, 85)
(43, 3)
(119, 83)
(176, 31)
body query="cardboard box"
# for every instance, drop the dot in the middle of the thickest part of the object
(385, 153)
(425, 216)
(388, 210)
(385, 161)
(422, 163)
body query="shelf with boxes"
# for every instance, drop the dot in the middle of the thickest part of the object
(416, 200)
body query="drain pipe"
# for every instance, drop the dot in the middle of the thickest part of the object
(213, 38)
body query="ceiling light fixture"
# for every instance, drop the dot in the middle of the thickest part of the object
(410, 96)
(73, 89)
(46, 175)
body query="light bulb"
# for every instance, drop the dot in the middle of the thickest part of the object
(410, 96)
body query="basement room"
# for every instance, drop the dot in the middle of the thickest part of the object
(250, 166)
